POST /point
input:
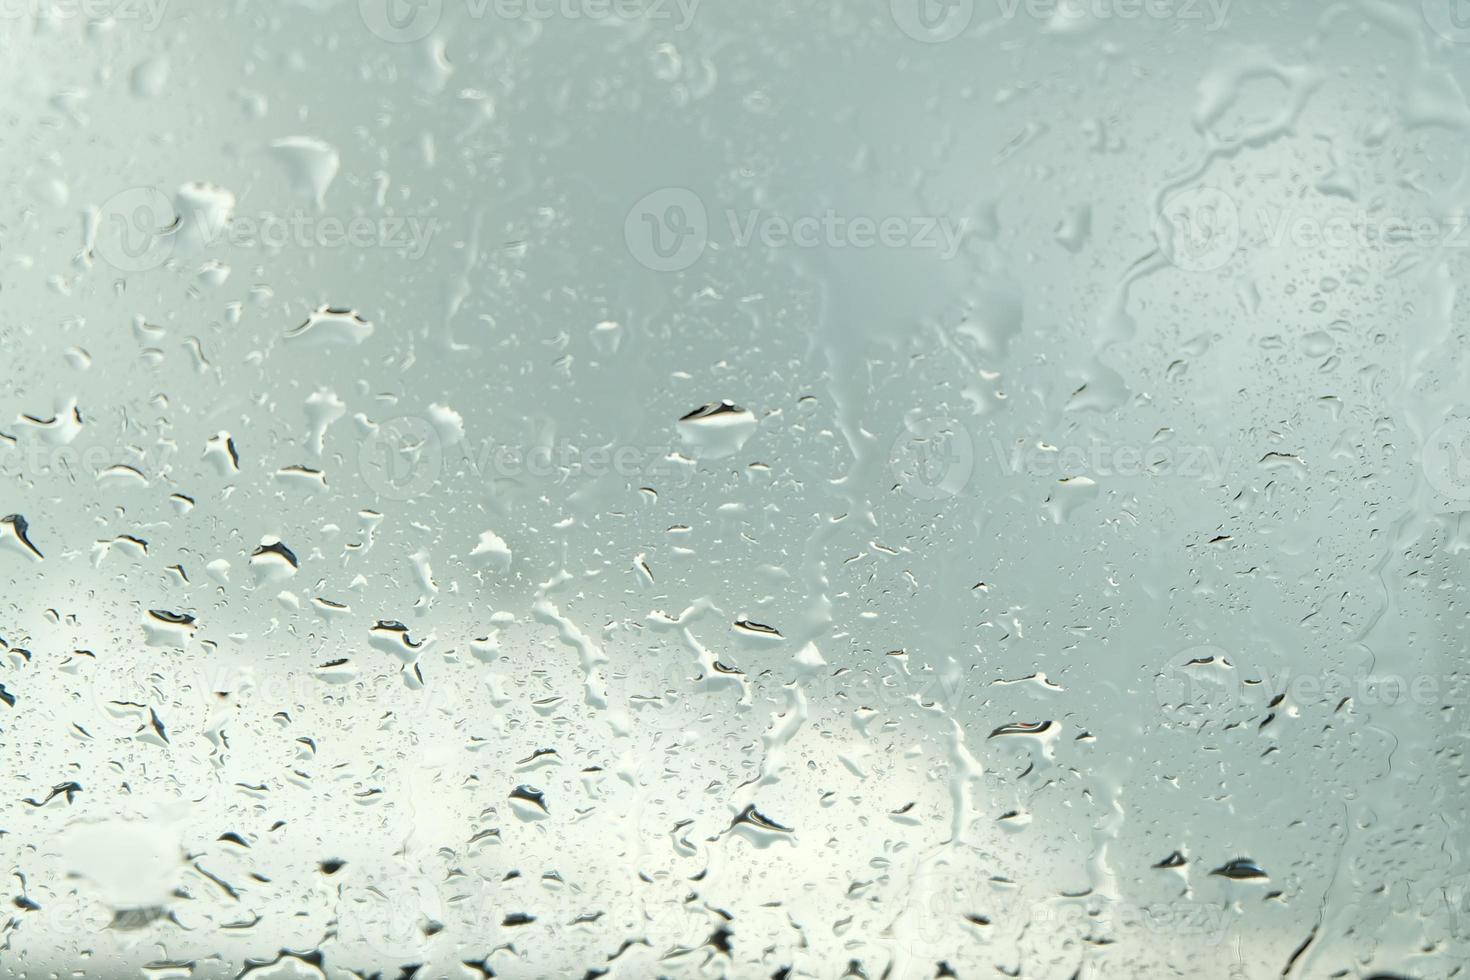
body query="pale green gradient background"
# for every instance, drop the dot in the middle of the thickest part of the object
(1307, 547)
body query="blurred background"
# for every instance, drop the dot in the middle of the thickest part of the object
(539, 488)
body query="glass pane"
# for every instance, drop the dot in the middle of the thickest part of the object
(651, 488)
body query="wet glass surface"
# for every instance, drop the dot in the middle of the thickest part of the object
(664, 488)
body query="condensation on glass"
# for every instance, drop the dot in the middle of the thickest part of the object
(657, 488)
